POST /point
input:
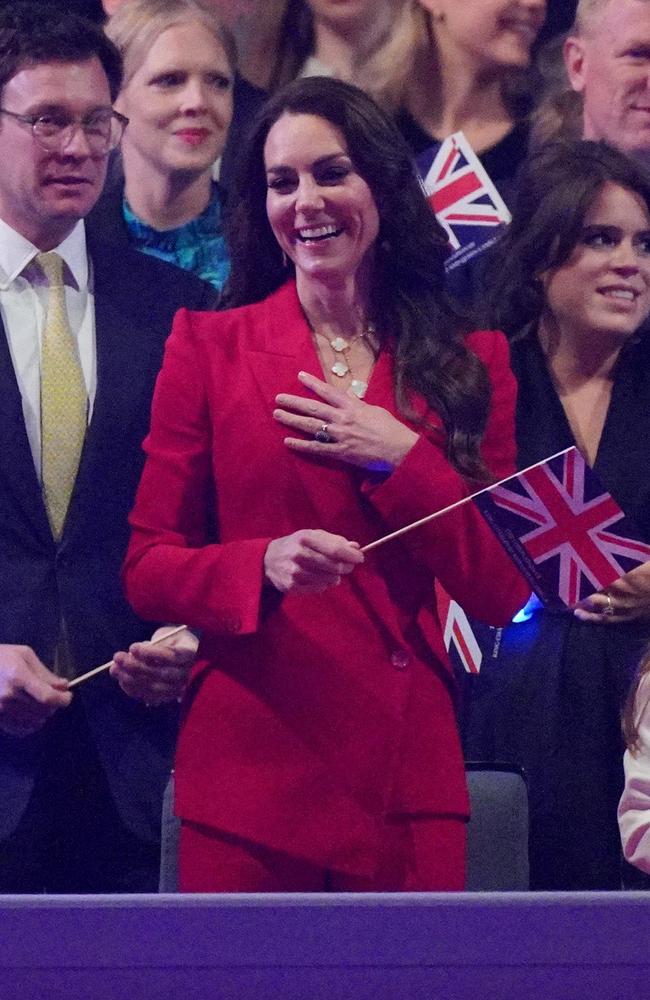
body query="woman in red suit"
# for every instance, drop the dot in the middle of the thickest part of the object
(341, 399)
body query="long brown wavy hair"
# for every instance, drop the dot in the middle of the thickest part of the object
(408, 302)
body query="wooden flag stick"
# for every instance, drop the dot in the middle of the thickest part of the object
(107, 666)
(458, 503)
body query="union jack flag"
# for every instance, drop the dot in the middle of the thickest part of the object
(566, 533)
(463, 197)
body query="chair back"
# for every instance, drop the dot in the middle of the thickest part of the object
(497, 835)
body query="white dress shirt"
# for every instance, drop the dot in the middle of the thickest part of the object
(23, 304)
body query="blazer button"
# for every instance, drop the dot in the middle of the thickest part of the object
(400, 659)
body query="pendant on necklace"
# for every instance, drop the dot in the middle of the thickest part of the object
(340, 368)
(358, 387)
(339, 344)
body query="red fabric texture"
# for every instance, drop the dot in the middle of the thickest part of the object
(308, 718)
(426, 854)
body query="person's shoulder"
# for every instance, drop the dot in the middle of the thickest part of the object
(130, 276)
(252, 319)
(252, 316)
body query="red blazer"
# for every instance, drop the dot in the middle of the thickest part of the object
(308, 718)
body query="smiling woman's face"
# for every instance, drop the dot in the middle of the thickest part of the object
(179, 101)
(487, 32)
(322, 212)
(604, 286)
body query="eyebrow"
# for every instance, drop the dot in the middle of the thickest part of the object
(47, 108)
(320, 162)
(634, 44)
(612, 228)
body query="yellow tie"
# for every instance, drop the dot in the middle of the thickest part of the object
(63, 398)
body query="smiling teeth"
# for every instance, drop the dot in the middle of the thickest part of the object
(317, 232)
(620, 293)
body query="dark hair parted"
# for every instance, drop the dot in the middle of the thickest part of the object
(555, 190)
(32, 33)
(408, 302)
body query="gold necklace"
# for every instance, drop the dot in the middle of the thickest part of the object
(341, 367)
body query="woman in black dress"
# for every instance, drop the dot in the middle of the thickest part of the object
(573, 292)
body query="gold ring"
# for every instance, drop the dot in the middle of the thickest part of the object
(609, 607)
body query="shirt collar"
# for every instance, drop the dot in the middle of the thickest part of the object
(16, 252)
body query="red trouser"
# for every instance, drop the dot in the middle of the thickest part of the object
(423, 854)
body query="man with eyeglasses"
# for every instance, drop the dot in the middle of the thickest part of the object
(82, 329)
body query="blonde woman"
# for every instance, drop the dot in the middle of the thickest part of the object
(179, 65)
(461, 66)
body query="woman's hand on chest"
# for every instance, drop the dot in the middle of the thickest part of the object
(344, 427)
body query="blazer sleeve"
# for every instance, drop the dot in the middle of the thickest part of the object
(174, 569)
(459, 548)
(634, 807)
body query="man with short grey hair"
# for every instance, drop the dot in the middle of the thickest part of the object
(607, 58)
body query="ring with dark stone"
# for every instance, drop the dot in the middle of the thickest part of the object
(323, 435)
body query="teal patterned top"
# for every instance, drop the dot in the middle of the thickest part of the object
(198, 246)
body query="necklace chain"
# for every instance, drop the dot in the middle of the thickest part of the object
(341, 367)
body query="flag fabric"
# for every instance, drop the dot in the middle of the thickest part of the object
(467, 641)
(465, 201)
(565, 532)
(459, 637)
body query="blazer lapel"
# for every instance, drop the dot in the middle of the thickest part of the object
(286, 348)
(16, 463)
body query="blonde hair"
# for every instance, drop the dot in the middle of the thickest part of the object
(559, 113)
(386, 72)
(404, 72)
(136, 24)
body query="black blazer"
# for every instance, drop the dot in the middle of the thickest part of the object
(135, 300)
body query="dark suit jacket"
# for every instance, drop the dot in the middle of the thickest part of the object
(309, 717)
(135, 300)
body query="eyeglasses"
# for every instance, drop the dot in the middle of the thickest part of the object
(102, 129)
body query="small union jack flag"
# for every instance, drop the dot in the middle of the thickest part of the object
(566, 533)
(460, 640)
(467, 640)
(463, 197)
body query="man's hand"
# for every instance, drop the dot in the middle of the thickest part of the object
(29, 692)
(156, 673)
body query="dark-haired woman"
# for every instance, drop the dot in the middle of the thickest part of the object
(573, 288)
(342, 399)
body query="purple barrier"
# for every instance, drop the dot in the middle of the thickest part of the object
(519, 946)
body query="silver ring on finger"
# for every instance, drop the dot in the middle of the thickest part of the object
(609, 608)
(323, 435)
